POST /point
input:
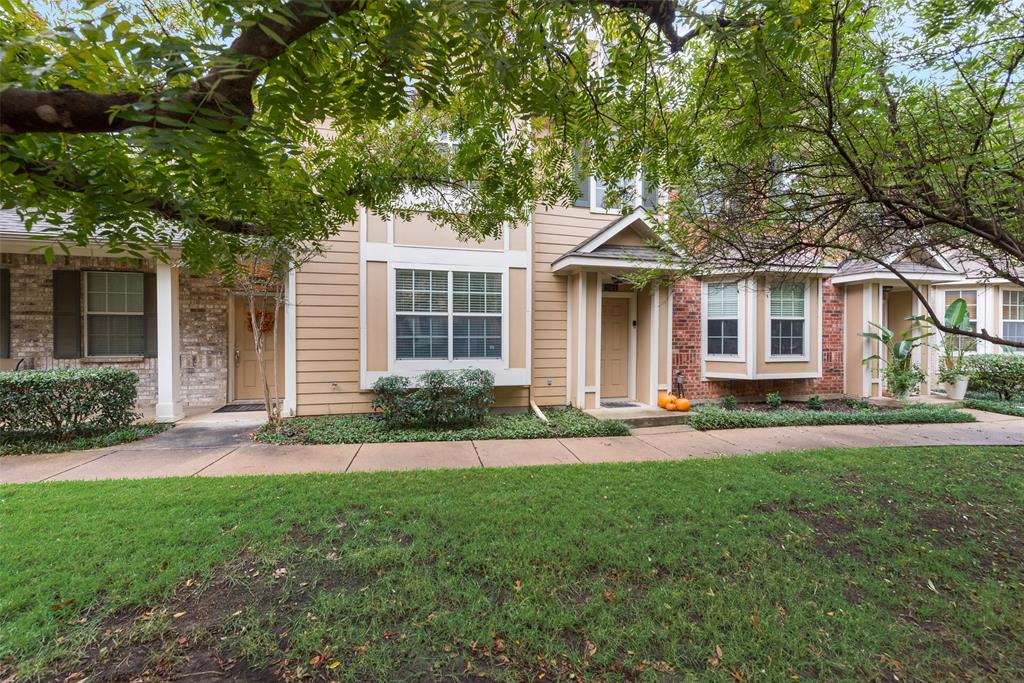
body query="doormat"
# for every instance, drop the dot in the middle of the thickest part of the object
(239, 408)
(619, 404)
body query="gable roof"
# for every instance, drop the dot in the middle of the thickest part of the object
(595, 251)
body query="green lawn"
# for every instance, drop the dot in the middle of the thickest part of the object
(839, 564)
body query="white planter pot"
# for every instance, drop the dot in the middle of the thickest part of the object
(956, 390)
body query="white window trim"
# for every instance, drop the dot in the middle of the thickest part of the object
(793, 358)
(978, 307)
(415, 366)
(1003, 320)
(638, 185)
(87, 313)
(740, 355)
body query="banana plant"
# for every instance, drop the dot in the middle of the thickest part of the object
(951, 345)
(900, 373)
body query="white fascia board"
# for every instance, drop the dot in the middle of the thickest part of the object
(891, 277)
(618, 226)
(571, 263)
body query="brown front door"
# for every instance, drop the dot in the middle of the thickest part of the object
(248, 385)
(614, 347)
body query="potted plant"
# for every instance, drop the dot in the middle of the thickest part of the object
(951, 362)
(900, 373)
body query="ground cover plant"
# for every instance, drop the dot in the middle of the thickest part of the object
(877, 564)
(994, 406)
(831, 413)
(21, 444)
(563, 422)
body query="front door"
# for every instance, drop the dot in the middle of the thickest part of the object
(614, 347)
(248, 384)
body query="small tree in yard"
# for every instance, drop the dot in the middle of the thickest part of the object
(260, 274)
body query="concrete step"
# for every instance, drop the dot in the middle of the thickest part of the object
(641, 416)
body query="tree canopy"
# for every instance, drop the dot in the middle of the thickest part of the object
(817, 128)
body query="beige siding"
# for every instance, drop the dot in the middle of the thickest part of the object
(420, 232)
(327, 330)
(556, 230)
(644, 330)
(517, 307)
(376, 228)
(854, 323)
(376, 316)
(664, 337)
(628, 238)
(517, 237)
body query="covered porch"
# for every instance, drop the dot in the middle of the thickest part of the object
(619, 341)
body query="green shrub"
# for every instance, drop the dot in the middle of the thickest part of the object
(389, 397)
(902, 380)
(858, 403)
(1004, 407)
(443, 399)
(326, 429)
(715, 418)
(67, 402)
(773, 400)
(1002, 373)
(728, 402)
(814, 403)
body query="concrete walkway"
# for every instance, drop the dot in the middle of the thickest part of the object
(220, 447)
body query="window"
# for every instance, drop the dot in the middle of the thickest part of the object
(477, 331)
(425, 323)
(632, 192)
(788, 323)
(971, 297)
(1013, 317)
(115, 314)
(723, 325)
(423, 292)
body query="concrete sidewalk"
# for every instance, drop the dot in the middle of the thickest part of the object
(226, 450)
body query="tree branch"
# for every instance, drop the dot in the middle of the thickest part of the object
(226, 90)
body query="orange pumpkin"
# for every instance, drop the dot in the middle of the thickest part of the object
(671, 405)
(682, 404)
(662, 399)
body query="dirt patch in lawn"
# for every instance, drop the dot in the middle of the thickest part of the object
(189, 635)
(831, 532)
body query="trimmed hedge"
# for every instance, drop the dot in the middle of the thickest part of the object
(328, 429)
(1002, 373)
(67, 402)
(443, 398)
(711, 417)
(1004, 407)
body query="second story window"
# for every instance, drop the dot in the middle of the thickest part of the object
(631, 193)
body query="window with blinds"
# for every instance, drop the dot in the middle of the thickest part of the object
(970, 297)
(427, 327)
(1013, 317)
(722, 319)
(115, 314)
(788, 319)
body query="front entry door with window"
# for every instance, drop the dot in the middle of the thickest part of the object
(248, 385)
(614, 347)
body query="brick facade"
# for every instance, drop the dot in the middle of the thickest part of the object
(203, 316)
(687, 342)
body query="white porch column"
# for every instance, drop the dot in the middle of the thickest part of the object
(289, 404)
(168, 403)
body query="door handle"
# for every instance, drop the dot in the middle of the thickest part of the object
(238, 357)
